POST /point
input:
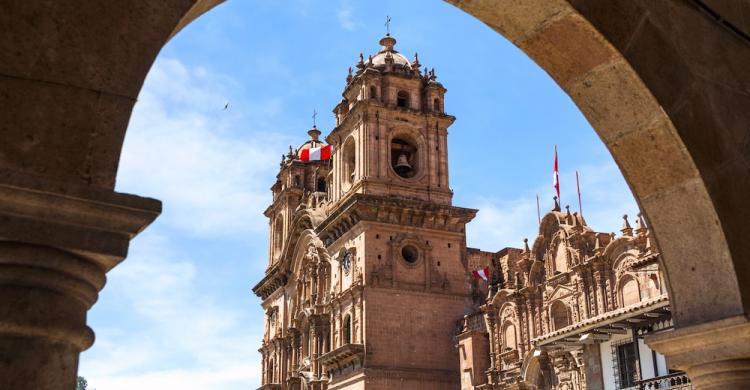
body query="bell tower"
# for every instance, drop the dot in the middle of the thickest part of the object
(391, 131)
(367, 280)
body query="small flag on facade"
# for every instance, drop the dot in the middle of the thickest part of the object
(483, 273)
(316, 154)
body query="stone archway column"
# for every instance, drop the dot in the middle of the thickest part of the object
(714, 354)
(55, 249)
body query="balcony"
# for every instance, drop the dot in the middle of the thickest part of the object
(677, 381)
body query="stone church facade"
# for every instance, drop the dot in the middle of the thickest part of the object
(369, 282)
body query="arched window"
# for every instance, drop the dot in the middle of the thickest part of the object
(277, 239)
(436, 105)
(347, 330)
(321, 185)
(270, 371)
(630, 292)
(373, 92)
(560, 315)
(297, 181)
(402, 99)
(509, 337)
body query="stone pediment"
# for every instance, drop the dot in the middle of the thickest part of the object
(558, 292)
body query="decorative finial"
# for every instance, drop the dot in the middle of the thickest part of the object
(314, 115)
(640, 225)
(387, 25)
(290, 154)
(626, 229)
(349, 76)
(556, 206)
(526, 245)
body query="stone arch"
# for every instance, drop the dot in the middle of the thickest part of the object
(537, 372)
(670, 120)
(580, 45)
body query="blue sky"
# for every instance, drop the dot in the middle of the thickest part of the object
(179, 313)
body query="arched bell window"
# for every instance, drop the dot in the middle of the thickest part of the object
(349, 163)
(404, 159)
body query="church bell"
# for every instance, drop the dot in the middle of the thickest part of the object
(403, 162)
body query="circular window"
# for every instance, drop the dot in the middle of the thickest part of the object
(404, 157)
(410, 254)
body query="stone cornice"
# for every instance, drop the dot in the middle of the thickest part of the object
(92, 222)
(415, 213)
(362, 107)
(272, 281)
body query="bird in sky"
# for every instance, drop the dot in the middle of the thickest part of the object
(226, 106)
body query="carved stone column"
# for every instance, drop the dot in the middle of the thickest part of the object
(55, 249)
(715, 355)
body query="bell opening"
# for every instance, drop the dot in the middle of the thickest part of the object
(403, 158)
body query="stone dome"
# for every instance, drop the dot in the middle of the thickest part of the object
(387, 43)
(313, 142)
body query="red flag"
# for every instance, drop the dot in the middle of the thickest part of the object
(316, 154)
(556, 179)
(483, 273)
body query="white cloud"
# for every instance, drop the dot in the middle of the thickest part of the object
(209, 166)
(184, 337)
(505, 223)
(345, 16)
(158, 325)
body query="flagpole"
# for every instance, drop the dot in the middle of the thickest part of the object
(578, 187)
(557, 178)
(538, 213)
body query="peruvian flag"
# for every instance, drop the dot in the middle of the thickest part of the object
(316, 154)
(555, 178)
(483, 273)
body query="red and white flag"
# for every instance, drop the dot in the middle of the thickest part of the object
(555, 178)
(316, 154)
(483, 273)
